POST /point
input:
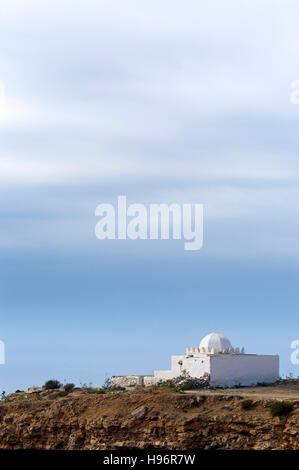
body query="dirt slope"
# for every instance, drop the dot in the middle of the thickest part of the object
(145, 419)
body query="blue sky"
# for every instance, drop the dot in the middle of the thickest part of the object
(162, 103)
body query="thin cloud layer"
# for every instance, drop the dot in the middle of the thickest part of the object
(160, 102)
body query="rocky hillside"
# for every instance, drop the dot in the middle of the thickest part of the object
(145, 419)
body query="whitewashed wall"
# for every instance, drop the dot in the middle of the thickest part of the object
(149, 380)
(196, 366)
(246, 370)
(227, 370)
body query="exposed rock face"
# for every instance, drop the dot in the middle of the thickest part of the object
(140, 412)
(145, 419)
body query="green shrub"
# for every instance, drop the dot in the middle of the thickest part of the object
(279, 408)
(246, 404)
(94, 391)
(116, 388)
(185, 382)
(69, 387)
(52, 384)
(186, 386)
(107, 383)
(165, 383)
(60, 394)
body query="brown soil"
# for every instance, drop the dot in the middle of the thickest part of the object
(149, 418)
(283, 390)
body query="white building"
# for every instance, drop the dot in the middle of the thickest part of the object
(226, 366)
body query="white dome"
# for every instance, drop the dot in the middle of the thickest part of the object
(215, 343)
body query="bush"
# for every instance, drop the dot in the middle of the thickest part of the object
(107, 383)
(279, 408)
(246, 404)
(164, 383)
(60, 394)
(52, 384)
(185, 382)
(69, 387)
(95, 391)
(116, 388)
(186, 386)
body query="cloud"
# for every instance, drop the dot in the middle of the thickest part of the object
(152, 100)
(214, 170)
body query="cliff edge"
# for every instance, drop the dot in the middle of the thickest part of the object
(147, 419)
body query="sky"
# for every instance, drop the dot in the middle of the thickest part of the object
(164, 103)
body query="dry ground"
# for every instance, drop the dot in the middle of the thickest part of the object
(288, 388)
(151, 418)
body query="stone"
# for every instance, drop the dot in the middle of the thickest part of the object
(140, 412)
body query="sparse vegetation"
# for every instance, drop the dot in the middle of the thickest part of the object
(69, 387)
(116, 388)
(279, 408)
(185, 382)
(246, 404)
(187, 418)
(84, 385)
(52, 384)
(95, 391)
(107, 383)
(60, 394)
(164, 383)
(111, 388)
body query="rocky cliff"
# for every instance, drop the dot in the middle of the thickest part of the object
(144, 419)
